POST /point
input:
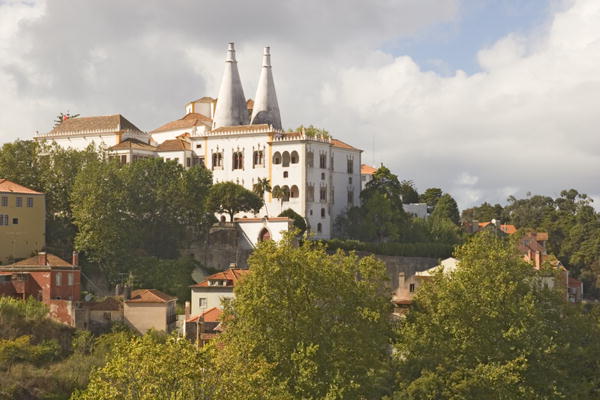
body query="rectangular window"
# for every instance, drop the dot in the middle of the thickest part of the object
(323, 161)
(310, 159)
(411, 288)
(189, 162)
(202, 302)
(19, 202)
(123, 159)
(5, 219)
(350, 166)
(30, 202)
(238, 160)
(15, 221)
(258, 159)
(323, 193)
(58, 279)
(217, 160)
(310, 193)
(4, 201)
(350, 197)
(70, 279)
(2, 220)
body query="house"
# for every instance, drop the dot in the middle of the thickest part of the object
(214, 289)
(98, 316)
(47, 278)
(240, 141)
(204, 327)
(366, 175)
(22, 221)
(408, 285)
(256, 230)
(149, 309)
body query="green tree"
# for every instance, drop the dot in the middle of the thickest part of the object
(322, 326)
(299, 221)
(312, 131)
(431, 197)
(408, 192)
(231, 198)
(484, 213)
(446, 208)
(261, 187)
(491, 330)
(281, 193)
(146, 368)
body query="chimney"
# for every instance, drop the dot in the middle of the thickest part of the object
(75, 259)
(232, 265)
(266, 107)
(42, 258)
(231, 109)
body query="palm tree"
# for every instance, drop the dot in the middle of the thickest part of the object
(260, 187)
(281, 193)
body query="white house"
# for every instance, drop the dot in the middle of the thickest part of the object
(214, 289)
(241, 141)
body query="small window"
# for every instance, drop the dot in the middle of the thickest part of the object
(323, 194)
(58, 279)
(310, 159)
(411, 288)
(350, 166)
(123, 159)
(3, 220)
(285, 159)
(322, 213)
(15, 221)
(189, 161)
(258, 159)
(295, 157)
(294, 192)
(107, 316)
(19, 202)
(350, 181)
(198, 146)
(277, 158)
(285, 174)
(238, 160)
(217, 160)
(70, 279)
(319, 227)
(322, 176)
(323, 161)
(4, 201)
(311, 213)
(202, 301)
(350, 197)
(310, 192)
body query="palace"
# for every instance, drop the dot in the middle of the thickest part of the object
(240, 141)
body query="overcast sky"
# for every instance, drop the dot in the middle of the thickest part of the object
(483, 98)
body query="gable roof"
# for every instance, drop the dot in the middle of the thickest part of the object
(211, 315)
(51, 261)
(188, 121)
(506, 228)
(132, 144)
(231, 275)
(149, 296)
(174, 145)
(367, 169)
(107, 123)
(7, 186)
(342, 145)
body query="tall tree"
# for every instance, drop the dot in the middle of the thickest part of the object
(231, 198)
(431, 197)
(446, 208)
(262, 186)
(323, 324)
(491, 330)
(408, 192)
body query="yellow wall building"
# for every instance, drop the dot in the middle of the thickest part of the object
(22, 221)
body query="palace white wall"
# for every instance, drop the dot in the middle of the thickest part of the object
(213, 295)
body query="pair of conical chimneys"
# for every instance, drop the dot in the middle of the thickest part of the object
(231, 107)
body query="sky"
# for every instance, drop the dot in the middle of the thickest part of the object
(482, 98)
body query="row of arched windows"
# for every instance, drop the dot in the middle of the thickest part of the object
(287, 191)
(286, 158)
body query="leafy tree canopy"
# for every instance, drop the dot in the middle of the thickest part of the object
(408, 192)
(431, 197)
(311, 131)
(231, 198)
(299, 222)
(446, 207)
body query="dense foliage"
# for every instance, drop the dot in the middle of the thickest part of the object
(231, 198)
(491, 330)
(319, 322)
(573, 227)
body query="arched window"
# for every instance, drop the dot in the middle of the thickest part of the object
(217, 160)
(319, 227)
(258, 159)
(286, 159)
(238, 160)
(264, 235)
(295, 157)
(286, 193)
(223, 219)
(322, 213)
(294, 192)
(277, 158)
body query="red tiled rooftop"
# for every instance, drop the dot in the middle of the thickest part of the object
(211, 315)
(341, 145)
(149, 296)
(7, 186)
(51, 261)
(231, 275)
(367, 169)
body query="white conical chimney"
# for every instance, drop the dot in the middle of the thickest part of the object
(231, 104)
(266, 108)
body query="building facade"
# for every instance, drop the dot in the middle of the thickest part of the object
(211, 292)
(150, 309)
(240, 141)
(22, 221)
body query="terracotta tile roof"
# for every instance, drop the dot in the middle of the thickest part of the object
(149, 296)
(187, 122)
(132, 144)
(238, 128)
(108, 304)
(508, 229)
(107, 123)
(211, 315)
(7, 186)
(51, 261)
(205, 99)
(367, 169)
(342, 145)
(541, 236)
(174, 145)
(231, 275)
